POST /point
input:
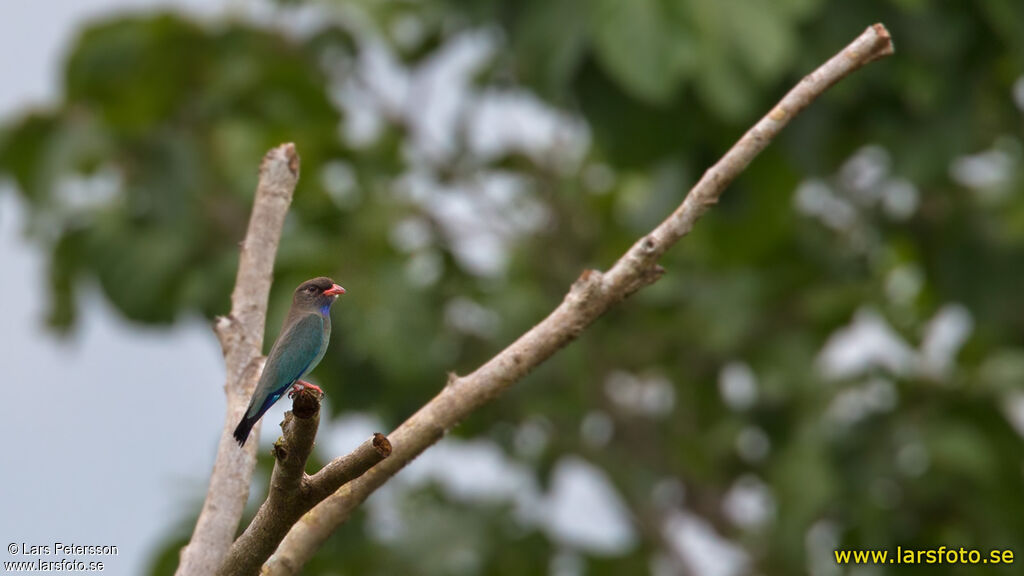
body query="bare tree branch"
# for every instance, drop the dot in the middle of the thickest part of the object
(292, 492)
(343, 470)
(241, 338)
(590, 296)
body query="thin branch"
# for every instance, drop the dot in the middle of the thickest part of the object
(590, 296)
(292, 492)
(241, 338)
(343, 470)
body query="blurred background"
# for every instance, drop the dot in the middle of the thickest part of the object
(834, 359)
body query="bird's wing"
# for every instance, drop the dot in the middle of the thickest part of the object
(293, 353)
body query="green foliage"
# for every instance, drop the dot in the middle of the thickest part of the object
(144, 176)
(141, 181)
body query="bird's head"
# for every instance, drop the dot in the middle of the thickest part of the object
(317, 294)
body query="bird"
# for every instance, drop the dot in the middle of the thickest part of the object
(300, 347)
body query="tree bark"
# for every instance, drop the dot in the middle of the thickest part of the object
(590, 296)
(241, 339)
(292, 491)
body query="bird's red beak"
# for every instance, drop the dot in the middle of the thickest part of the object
(334, 290)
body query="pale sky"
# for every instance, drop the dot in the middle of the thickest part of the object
(98, 453)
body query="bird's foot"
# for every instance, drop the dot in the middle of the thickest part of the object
(302, 385)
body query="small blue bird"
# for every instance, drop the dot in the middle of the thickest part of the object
(299, 348)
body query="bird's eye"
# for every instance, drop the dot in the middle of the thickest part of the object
(310, 289)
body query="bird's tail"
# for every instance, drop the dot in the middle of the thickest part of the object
(251, 418)
(244, 427)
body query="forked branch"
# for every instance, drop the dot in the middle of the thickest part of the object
(590, 296)
(292, 491)
(241, 339)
